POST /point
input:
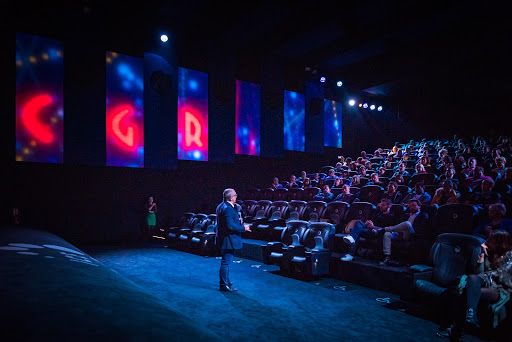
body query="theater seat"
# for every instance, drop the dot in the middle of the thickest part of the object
(265, 228)
(280, 194)
(175, 232)
(309, 193)
(456, 218)
(185, 234)
(452, 256)
(266, 194)
(356, 211)
(182, 223)
(196, 239)
(314, 211)
(297, 206)
(335, 213)
(252, 194)
(312, 256)
(371, 193)
(259, 211)
(275, 253)
(248, 207)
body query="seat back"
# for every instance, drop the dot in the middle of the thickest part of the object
(297, 206)
(456, 218)
(295, 194)
(453, 255)
(185, 220)
(336, 191)
(248, 207)
(266, 194)
(280, 194)
(262, 208)
(200, 223)
(335, 212)
(314, 210)
(322, 229)
(279, 206)
(427, 178)
(398, 210)
(371, 194)
(252, 194)
(404, 189)
(354, 190)
(309, 193)
(298, 227)
(360, 211)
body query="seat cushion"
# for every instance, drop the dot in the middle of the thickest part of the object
(428, 287)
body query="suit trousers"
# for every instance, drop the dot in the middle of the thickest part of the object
(227, 258)
(404, 227)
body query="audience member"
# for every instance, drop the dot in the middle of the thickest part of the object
(307, 183)
(471, 167)
(292, 183)
(339, 167)
(338, 182)
(382, 218)
(303, 176)
(446, 194)
(331, 175)
(477, 178)
(484, 195)
(495, 220)
(420, 169)
(356, 181)
(419, 195)
(500, 166)
(345, 195)
(275, 184)
(374, 180)
(325, 195)
(401, 170)
(393, 194)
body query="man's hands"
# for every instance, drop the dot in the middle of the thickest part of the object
(247, 227)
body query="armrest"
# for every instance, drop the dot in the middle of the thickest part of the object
(420, 268)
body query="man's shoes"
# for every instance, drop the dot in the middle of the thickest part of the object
(349, 239)
(471, 318)
(226, 288)
(385, 261)
(347, 257)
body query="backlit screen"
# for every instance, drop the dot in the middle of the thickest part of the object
(294, 117)
(248, 102)
(332, 123)
(192, 115)
(125, 110)
(39, 99)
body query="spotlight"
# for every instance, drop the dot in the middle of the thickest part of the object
(339, 84)
(365, 105)
(379, 108)
(164, 38)
(322, 79)
(372, 107)
(351, 103)
(360, 105)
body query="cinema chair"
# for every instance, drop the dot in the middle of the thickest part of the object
(371, 193)
(456, 218)
(280, 194)
(356, 211)
(309, 193)
(185, 234)
(196, 235)
(186, 221)
(314, 210)
(335, 213)
(295, 194)
(265, 228)
(311, 257)
(275, 253)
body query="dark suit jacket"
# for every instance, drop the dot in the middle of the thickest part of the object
(422, 225)
(229, 228)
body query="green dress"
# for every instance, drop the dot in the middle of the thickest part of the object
(151, 217)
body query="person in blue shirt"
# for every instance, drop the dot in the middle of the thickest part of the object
(494, 222)
(326, 195)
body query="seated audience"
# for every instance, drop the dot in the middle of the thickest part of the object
(362, 171)
(459, 163)
(477, 178)
(507, 178)
(356, 181)
(306, 183)
(275, 184)
(419, 195)
(468, 171)
(303, 176)
(325, 195)
(339, 167)
(420, 169)
(414, 220)
(500, 166)
(374, 180)
(448, 175)
(292, 183)
(331, 175)
(446, 194)
(484, 195)
(345, 195)
(393, 194)
(495, 220)
(398, 179)
(401, 170)
(338, 183)
(486, 285)
(356, 229)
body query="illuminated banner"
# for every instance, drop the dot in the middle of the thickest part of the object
(39, 99)
(332, 123)
(294, 117)
(248, 102)
(192, 115)
(125, 110)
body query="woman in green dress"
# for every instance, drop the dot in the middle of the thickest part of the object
(150, 215)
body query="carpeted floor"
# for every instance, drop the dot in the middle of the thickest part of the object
(267, 306)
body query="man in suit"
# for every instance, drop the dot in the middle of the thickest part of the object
(229, 235)
(413, 222)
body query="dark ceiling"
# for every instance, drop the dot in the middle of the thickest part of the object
(390, 48)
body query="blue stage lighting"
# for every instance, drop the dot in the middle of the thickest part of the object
(339, 84)
(365, 105)
(379, 108)
(372, 107)
(164, 38)
(322, 79)
(352, 102)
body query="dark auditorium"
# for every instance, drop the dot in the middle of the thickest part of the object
(256, 171)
